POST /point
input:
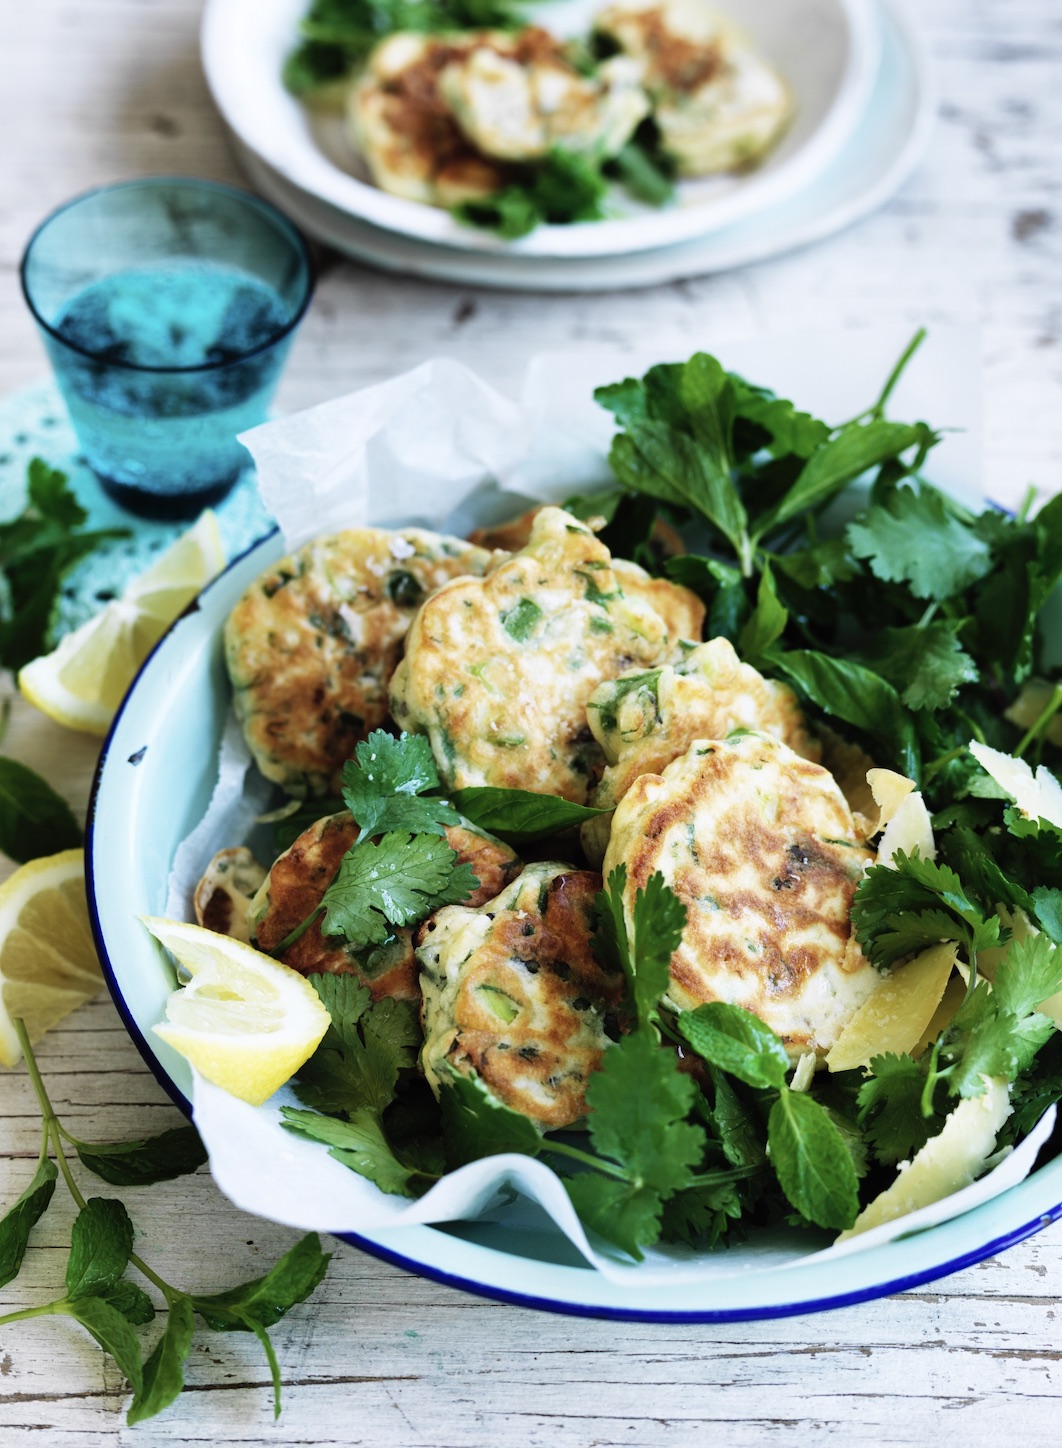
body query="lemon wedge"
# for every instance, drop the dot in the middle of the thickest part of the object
(82, 682)
(48, 964)
(244, 1021)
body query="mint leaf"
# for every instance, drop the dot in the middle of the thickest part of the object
(113, 1333)
(398, 881)
(477, 1124)
(100, 1244)
(915, 536)
(20, 1218)
(519, 816)
(161, 1158)
(163, 1376)
(734, 1040)
(737, 1129)
(812, 1163)
(131, 1301)
(34, 820)
(50, 494)
(925, 663)
(265, 1300)
(847, 690)
(383, 782)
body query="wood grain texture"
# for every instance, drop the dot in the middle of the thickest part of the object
(95, 92)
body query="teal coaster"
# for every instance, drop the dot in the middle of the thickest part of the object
(33, 423)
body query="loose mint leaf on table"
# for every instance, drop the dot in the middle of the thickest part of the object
(113, 1333)
(477, 1124)
(163, 1375)
(734, 1040)
(520, 815)
(396, 881)
(812, 1162)
(159, 1158)
(100, 1244)
(20, 1218)
(263, 1301)
(34, 820)
(918, 537)
(383, 782)
(890, 1103)
(925, 663)
(131, 1301)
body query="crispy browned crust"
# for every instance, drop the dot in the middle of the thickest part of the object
(538, 956)
(311, 645)
(224, 894)
(768, 890)
(676, 63)
(303, 873)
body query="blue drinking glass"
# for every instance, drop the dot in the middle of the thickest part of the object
(167, 307)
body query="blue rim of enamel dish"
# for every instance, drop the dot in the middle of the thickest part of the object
(762, 1313)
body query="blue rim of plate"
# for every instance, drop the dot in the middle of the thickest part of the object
(762, 1312)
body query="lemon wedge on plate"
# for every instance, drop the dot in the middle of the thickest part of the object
(244, 1021)
(48, 964)
(82, 682)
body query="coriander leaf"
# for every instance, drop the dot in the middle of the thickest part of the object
(20, 1218)
(972, 855)
(626, 1214)
(34, 820)
(360, 1065)
(735, 1040)
(394, 882)
(358, 1143)
(812, 1163)
(945, 883)
(890, 1102)
(637, 1100)
(477, 1124)
(159, 1158)
(100, 1244)
(820, 566)
(901, 909)
(916, 537)
(658, 918)
(381, 785)
(346, 998)
(702, 1214)
(610, 944)
(925, 663)
(265, 1300)
(50, 493)
(520, 815)
(767, 622)
(113, 1333)
(1047, 904)
(1029, 973)
(131, 1301)
(996, 1046)
(163, 1376)
(855, 448)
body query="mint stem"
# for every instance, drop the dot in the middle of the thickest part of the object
(27, 1312)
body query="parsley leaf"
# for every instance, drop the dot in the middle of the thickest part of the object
(477, 1124)
(359, 1143)
(396, 881)
(916, 536)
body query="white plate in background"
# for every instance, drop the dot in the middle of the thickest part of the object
(827, 50)
(875, 161)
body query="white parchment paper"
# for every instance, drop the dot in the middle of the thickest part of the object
(440, 447)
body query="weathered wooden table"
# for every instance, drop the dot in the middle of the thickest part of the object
(101, 91)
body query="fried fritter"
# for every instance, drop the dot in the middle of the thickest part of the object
(312, 644)
(760, 846)
(223, 896)
(513, 994)
(299, 878)
(717, 103)
(497, 671)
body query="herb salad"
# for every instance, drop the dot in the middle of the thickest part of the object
(913, 640)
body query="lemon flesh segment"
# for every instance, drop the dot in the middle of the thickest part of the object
(244, 1021)
(48, 962)
(82, 681)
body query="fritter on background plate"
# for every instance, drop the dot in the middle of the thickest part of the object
(312, 644)
(513, 994)
(761, 847)
(497, 671)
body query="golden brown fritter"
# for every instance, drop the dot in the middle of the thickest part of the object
(760, 846)
(497, 671)
(223, 896)
(312, 644)
(513, 994)
(299, 878)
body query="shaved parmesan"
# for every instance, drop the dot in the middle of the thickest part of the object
(889, 790)
(947, 1163)
(909, 829)
(895, 1017)
(1038, 796)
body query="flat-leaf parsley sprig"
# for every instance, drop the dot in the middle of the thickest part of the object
(399, 868)
(102, 1297)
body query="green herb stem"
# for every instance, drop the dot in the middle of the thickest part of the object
(598, 1164)
(878, 410)
(1043, 719)
(299, 931)
(24, 1313)
(720, 1178)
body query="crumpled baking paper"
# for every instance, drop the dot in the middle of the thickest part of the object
(438, 446)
